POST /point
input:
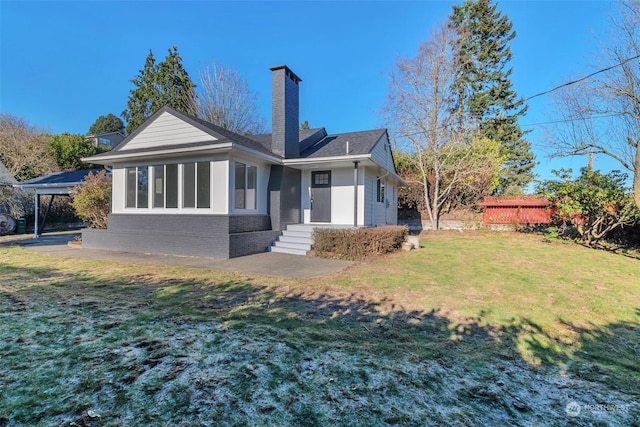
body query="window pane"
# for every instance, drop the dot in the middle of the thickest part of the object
(189, 185)
(240, 186)
(131, 188)
(143, 187)
(204, 184)
(172, 186)
(158, 186)
(252, 181)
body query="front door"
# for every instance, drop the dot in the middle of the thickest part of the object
(321, 196)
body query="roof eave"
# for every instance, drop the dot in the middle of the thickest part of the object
(124, 156)
(329, 159)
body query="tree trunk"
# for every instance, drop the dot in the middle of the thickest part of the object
(636, 178)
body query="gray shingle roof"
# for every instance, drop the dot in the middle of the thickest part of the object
(336, 145)
(69, 177)
(5, 176)
(305, 137)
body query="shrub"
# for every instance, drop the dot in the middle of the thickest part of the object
(355, 244)
(92, 199)
(593, 204)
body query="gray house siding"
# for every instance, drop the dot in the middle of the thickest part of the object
(216, 236)
(284, 189)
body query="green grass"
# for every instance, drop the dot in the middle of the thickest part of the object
(472, 329)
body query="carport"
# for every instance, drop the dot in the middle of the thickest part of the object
(55, 184)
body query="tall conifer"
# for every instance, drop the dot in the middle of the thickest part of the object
(156, 85)
(486, 101)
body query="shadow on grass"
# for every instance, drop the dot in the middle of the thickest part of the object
(120, 312)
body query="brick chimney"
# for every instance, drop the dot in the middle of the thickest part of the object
(284, 112)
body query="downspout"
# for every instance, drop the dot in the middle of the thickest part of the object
(355, 193)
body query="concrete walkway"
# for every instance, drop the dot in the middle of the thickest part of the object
(266, 264)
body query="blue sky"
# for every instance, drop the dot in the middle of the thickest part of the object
(63, 64)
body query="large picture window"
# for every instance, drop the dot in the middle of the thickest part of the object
(246, 184)
(160, 185)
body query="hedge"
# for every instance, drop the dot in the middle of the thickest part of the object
(358, 243)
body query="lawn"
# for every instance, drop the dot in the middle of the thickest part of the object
(473, 329)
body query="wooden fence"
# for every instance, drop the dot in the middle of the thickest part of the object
(516, 210)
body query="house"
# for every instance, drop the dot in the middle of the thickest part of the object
(185, 186)
(106, 140)
(6, 179)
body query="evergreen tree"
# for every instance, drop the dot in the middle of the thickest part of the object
(156, 85)
(485, 99)
(106, 124)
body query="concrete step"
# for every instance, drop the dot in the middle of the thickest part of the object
(306, 234)
(307, 240)
(287, 250)
(301, 227)
(290, 245)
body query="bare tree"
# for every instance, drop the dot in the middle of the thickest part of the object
(449, 165)
(225, 99)
(601, 115)
(24, 149)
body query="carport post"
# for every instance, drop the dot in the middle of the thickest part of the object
(37, 215)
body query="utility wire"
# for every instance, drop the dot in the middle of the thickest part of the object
(571, 119)
(582, 78)
(546, 92)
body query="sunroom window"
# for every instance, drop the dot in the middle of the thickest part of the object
(137, 184)
(161, 184)
(246, 183)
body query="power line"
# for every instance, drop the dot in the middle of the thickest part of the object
(582, 78)
(574, 119)
(571, 119)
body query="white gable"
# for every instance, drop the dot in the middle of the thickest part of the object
(381, 153)
(167, 130)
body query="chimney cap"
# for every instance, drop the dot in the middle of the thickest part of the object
(287, 71)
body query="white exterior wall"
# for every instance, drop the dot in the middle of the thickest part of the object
(381, 153)
(341, 195)
(392, 204)
(118, 189)
(380, 213)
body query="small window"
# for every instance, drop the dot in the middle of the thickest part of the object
(380, 191)
(321, 178)
(143, 187)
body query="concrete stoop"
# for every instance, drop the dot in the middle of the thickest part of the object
(297, 239)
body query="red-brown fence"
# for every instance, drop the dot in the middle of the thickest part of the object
(516, 210)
